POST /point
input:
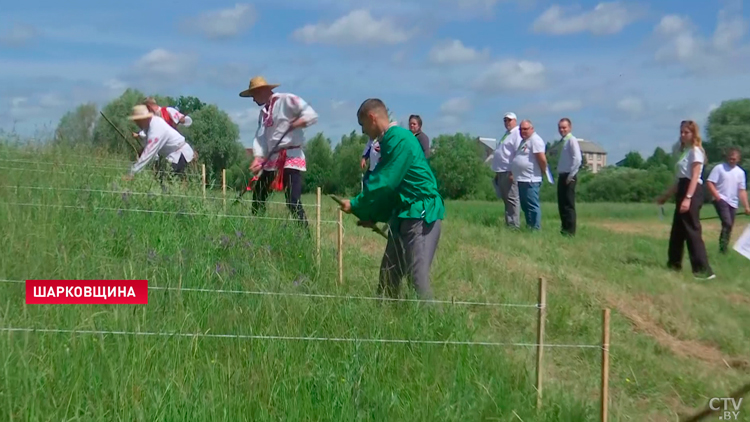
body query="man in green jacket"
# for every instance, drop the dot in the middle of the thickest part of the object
(401, 190)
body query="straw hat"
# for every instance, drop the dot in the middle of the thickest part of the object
(255, 83)
(140, 112)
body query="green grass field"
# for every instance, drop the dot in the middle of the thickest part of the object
(676, 342)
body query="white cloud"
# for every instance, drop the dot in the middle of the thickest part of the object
(512, 75)
(604, 19)
(225, 23)
(681, 43)
(454, 51)
(456, 107)
(631, 105)
(160, 62)
(246, 119)
(358, 27)
(18, 35)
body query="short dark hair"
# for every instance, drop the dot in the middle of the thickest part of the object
(733, 150)
(417, 118)
(370, 105)
(565, 119)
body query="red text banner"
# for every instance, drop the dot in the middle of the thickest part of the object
(87, 292)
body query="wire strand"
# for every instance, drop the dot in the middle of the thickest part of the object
(95, 208)
(126, 192)
(324, 296)
(292, 338)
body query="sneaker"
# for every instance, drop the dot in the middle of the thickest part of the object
(704, 277)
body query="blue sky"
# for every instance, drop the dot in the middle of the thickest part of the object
(626, 73)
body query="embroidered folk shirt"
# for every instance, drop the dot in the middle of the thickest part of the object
(274, 120)
(165, 141)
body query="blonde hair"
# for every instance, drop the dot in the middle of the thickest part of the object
(697, 140)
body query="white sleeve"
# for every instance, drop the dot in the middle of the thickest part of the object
(155, 143)
(714, 176)
(575, 149)
(299, 107)
(698, 156)
(537, 145)
(743, 183)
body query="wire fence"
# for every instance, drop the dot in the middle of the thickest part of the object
(293, 338)
(327, 296)
(96, 208)
(136, 193)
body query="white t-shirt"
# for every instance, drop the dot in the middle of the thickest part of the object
(684, 167)
(729, 181)
(506, 147)
(525, 167)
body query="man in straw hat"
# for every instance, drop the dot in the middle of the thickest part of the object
(403, 191)
(162, 139)
(277, 146)
(170, 115)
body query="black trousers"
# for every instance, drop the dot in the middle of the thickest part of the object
(726, 215)
(686, 229)
(292, 192)
(178, 169)
(566, 203)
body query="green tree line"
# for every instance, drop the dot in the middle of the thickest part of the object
(457, 160)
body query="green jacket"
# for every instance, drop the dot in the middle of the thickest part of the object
(402, 184)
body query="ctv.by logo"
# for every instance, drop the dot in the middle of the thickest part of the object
(729, 410)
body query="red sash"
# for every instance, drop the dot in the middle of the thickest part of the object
(167, 118)
(278, 181)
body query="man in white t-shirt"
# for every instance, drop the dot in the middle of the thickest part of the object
(505, 187)
(728, 186)
(528, 162)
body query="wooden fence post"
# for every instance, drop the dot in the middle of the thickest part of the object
(541, 316)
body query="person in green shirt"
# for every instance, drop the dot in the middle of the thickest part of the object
(401, 190)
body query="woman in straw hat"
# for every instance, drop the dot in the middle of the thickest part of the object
(277, 146)
(163, 140)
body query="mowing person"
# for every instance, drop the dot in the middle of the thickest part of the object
(162, 140)
(277, 147)
(686, 224)
(402, 190)
(728, 186)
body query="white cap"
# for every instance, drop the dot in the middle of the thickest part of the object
(510, 116)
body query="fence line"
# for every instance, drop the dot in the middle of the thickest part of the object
(292, 338)
(95, 208)
(323, 296)
(53, 164)
(126, 192)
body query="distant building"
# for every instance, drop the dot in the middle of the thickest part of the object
(595, 156)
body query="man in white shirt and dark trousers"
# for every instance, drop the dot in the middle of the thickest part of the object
(527, 165)
(567, 169)
(162, 140)
(728, 186)
(506, 187)
(277, 146)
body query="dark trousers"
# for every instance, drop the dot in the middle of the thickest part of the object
(292, 192)
(178, 169)
(411, 247)
(686, 228)
(726, 215)
(566, 203)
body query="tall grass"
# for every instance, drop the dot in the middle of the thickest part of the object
(62, 376)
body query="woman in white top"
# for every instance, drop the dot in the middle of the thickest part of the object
(727, 185)
(688, 194)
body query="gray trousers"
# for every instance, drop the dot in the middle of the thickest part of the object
(508, 192)
(411, 247)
